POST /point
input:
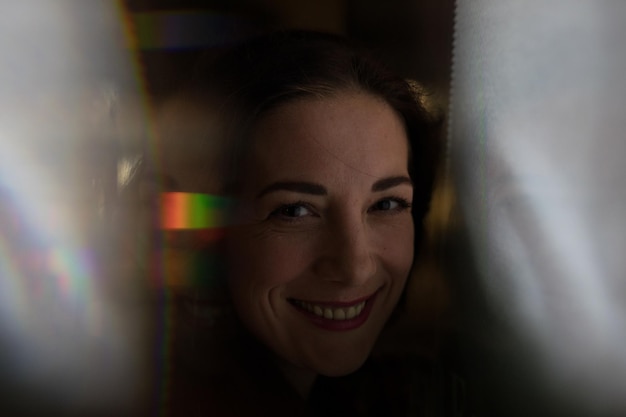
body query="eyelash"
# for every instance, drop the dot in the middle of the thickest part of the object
(279, 212)
(403, 205)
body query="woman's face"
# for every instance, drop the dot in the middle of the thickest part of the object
(323, 238)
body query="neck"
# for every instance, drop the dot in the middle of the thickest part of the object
(300, 379)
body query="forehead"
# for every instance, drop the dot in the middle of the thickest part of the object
(347, 131)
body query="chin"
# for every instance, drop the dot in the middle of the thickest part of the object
(341, 365)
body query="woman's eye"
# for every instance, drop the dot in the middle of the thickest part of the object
(292, 211)
(391, 204)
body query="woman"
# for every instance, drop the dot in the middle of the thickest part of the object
(322, 165)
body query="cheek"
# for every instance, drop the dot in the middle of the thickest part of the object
(262, 263)
(398, 257)
(397, 247)
(260, 267)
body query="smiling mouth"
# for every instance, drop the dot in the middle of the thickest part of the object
(331, 313)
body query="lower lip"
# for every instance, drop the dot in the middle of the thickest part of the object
(341, 325)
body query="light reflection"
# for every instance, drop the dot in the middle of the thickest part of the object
(537, 149)
(63, 337)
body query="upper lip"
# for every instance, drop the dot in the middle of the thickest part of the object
(336, 303)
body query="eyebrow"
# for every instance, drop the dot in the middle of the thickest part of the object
(317, 189)
(297, 186)
(390, 182)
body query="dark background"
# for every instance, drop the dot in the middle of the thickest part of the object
(413, 37)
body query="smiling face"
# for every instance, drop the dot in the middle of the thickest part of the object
(323, 241)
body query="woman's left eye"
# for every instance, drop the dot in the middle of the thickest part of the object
(391, 204)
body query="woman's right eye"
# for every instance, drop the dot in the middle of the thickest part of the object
(292, 211)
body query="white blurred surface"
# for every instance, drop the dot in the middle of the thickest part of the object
(63, 343)
(538, 115)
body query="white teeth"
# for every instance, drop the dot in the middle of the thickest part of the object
(359, 308)
(332, 313)
(317, 310)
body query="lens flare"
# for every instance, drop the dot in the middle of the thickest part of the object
(192, 211)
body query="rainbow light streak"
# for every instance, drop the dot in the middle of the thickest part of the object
(73, 271)
(132, 43)
(192, 211)
(163, 337)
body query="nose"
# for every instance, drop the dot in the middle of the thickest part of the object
(346, 253)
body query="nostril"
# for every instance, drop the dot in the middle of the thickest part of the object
(347, 267)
